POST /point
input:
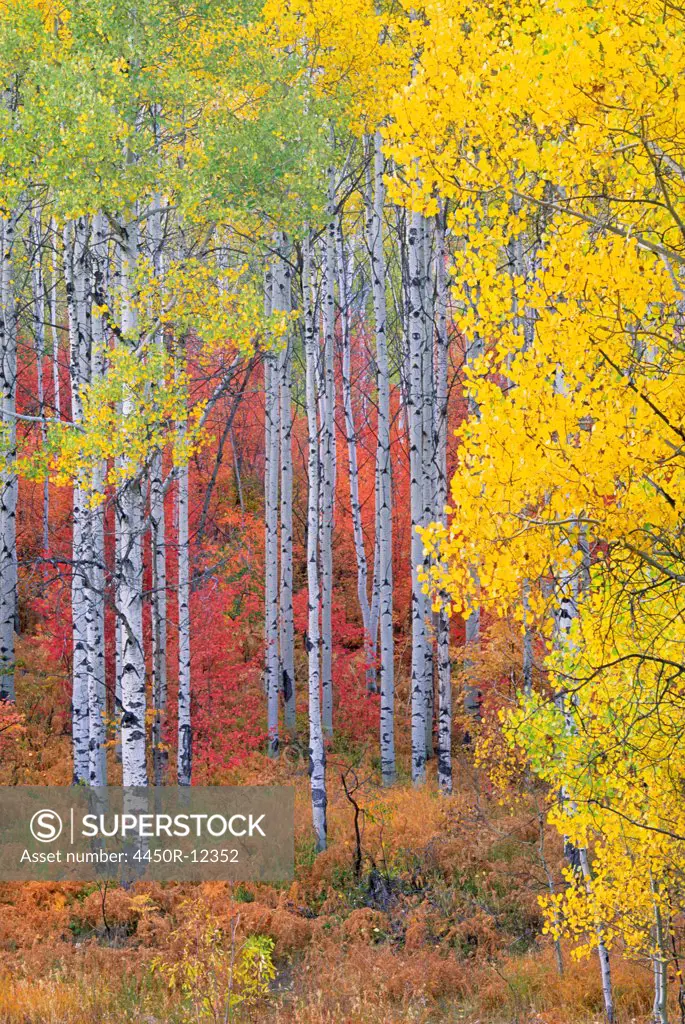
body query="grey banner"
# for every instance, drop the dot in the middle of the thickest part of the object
(174, 833)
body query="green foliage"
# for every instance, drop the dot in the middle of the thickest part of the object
(215, 973)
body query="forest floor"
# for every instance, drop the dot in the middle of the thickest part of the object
(435, 918)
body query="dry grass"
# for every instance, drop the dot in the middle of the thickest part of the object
(441, 926)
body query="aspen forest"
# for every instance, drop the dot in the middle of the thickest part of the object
(342, 448)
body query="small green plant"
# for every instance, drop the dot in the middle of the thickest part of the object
(243, 895)
(215, 974)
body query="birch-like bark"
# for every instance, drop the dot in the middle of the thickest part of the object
(416, 346)
(8, 478)
(440, 446)
(185, 749)
(353, 463)
(158, 555)
(429, 469)
(131, 505)
(472, 695)
(118, 634)
(78, 306)
(118, 532)
(97, 692)
(602, 951)
(375, 204)
(317, 749)
(282, 303)
(54, 326)
(660, 961)
(565, 612)
(271, 473)
(328, 455)
(38, 288)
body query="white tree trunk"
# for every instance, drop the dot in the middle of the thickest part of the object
(78, 306)
(375, 204)
(118, 633)
(352, 462)
(328, 454)
(417, 345)
(36, 245)
(158, 555)
(660, 961)
(429, 469)
(185, 750)
(271, 545)
(97, 692)
(565, 612)
(131, 511)
(472, 694)
(54, 326)
(440, 430)
(317, 749)
(8, 478)
(282, 302)
(602, 951)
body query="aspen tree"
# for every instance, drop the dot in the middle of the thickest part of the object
(429, 458)
(416, 334)
(328, 457)
(185, 736)
(352, 459)
(158, 539)
(131, 511)
(317, 748)
(97, 691)
(281, 303)
(271, 481)
(78, 306)
(375, 199)
(38, 290)
(8, 478)
(54, 326)
(440, 425)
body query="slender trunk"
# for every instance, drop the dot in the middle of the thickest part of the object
(56, 241)
(8, 478)
(282, 301)
(416, 342)
(185, 749)
(328, 463)
(352, 463)
(440, 447)
(375, 203)
(160, 756)
(97, 691)
(566, 611)
(38, 289)
(429, 470)
(271, 449)
(118, 633)
(472, 694)
(602, 951)
(660, 962)
(78, 306)
(131, 504)
(118, 575)
(317, 749)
